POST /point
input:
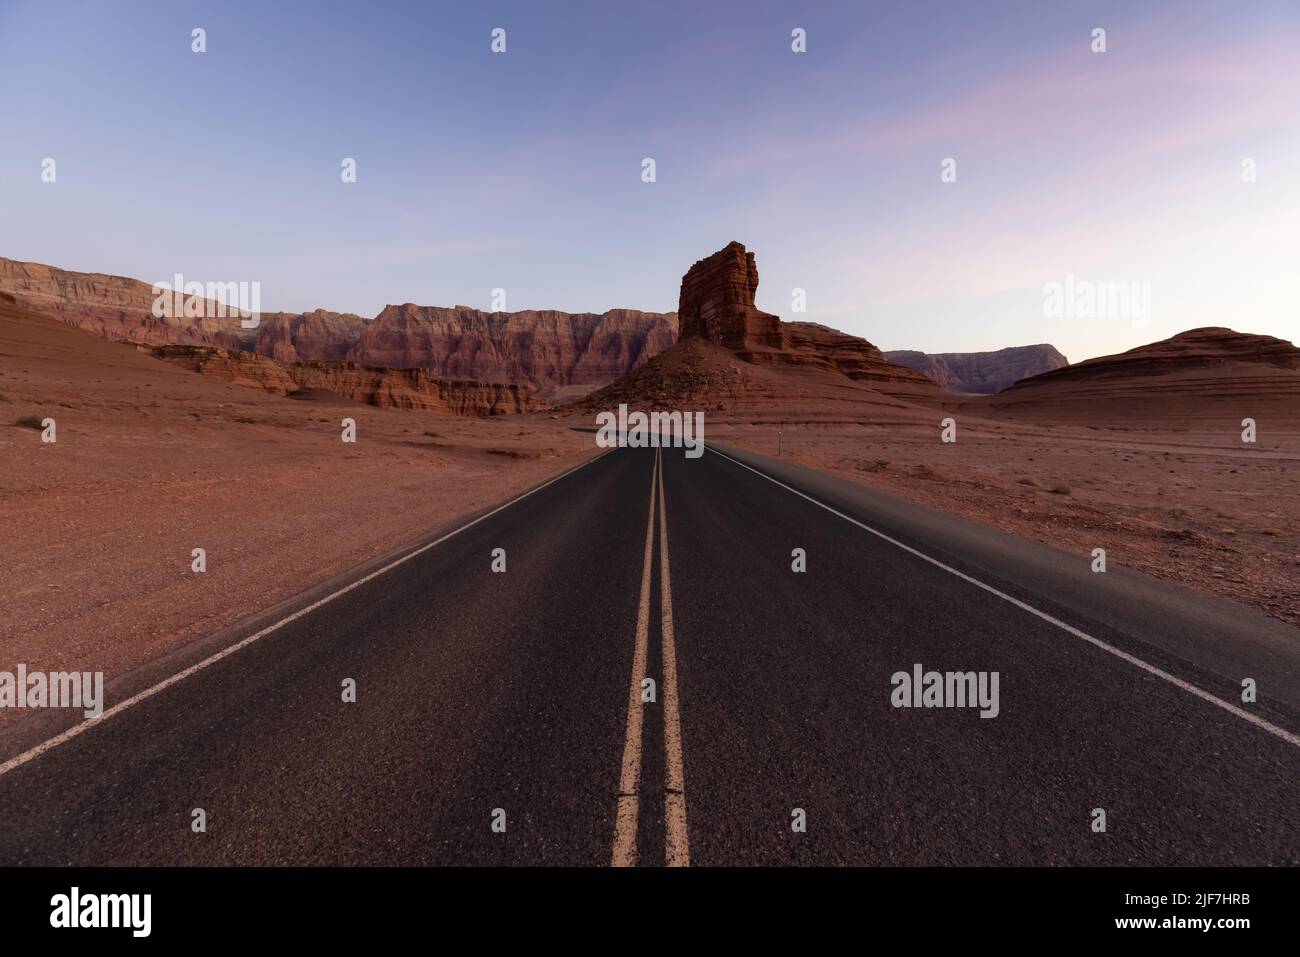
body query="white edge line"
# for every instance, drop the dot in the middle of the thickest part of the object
(1245, 715)
(179, 676)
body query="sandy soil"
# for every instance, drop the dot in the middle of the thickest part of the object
(152, 461)
(1196, 507)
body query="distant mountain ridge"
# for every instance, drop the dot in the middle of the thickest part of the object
(982, 373)
(543, 349)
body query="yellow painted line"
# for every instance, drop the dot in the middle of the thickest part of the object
(676, 846)
(625, 822)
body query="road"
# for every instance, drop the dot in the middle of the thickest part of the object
(500, 716)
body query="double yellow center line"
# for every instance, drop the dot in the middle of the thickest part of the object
(676, 846)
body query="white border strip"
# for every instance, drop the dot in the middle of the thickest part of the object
(135, 699)
(1285, 735)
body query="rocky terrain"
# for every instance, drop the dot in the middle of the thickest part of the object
(982, 373)
(385, 388)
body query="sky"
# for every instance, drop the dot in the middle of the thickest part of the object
(523, 170)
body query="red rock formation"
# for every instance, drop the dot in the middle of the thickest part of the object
(717, 302)
(241, 368)
(318, 335)
(386, 388)
(112, 306)
(416, 389)
(545, 349)
(807, 343)
(982, 373)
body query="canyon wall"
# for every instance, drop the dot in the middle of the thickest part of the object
(386, 388)
(546, 349)
(113, 307)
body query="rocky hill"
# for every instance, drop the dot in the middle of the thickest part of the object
(1212, 368)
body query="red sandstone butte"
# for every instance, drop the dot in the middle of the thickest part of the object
(717, 302)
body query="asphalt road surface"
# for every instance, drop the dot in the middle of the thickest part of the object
(651, 682)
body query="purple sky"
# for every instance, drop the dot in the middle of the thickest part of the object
(522, 170)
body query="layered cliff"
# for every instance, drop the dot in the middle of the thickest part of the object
(982, 373)
(543, 349)
(852, 356)
(386, 388)
(546, 349)
(303, 337)
(716, 301)
(114, 307)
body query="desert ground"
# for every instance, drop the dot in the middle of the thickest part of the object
(1193, 507)
(152, 461)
